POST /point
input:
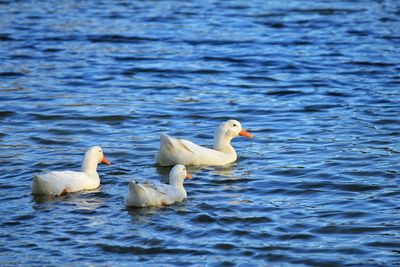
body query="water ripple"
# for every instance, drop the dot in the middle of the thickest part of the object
(317, 83)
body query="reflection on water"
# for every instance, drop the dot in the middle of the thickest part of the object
(87, 200)
(142, 215)
(163, 172)
(226, 170)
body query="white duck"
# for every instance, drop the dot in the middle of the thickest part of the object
(149, 194)
(61, 182)
(177, 151)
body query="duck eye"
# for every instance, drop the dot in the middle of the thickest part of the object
(234, 125)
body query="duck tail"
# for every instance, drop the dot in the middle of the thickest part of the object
(166, 141)
(167, 147)
(135, 188)
(136, 195)
(39, 185)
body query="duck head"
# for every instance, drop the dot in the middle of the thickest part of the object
(178, 175)
(233, 128)
(227, 131)
(96, 152)
(94, 156)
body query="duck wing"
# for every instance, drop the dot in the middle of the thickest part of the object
(171, 144)
(158, 187)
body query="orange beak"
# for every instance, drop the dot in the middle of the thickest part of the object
(105, 161)
(244, 133)
(189, 176)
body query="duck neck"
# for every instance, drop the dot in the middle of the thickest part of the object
(89, 165)
(222, 142)
(176, 184)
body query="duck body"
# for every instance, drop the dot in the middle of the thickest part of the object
(151, 194)
(58, 183)
(61, 182)
(178, 151)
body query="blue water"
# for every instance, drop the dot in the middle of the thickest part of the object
(318, 85)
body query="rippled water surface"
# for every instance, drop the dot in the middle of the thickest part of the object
(318, 84)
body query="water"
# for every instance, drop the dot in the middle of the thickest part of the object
(316, 83)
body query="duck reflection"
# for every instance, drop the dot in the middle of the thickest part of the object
(86, 200)
(225, 170)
